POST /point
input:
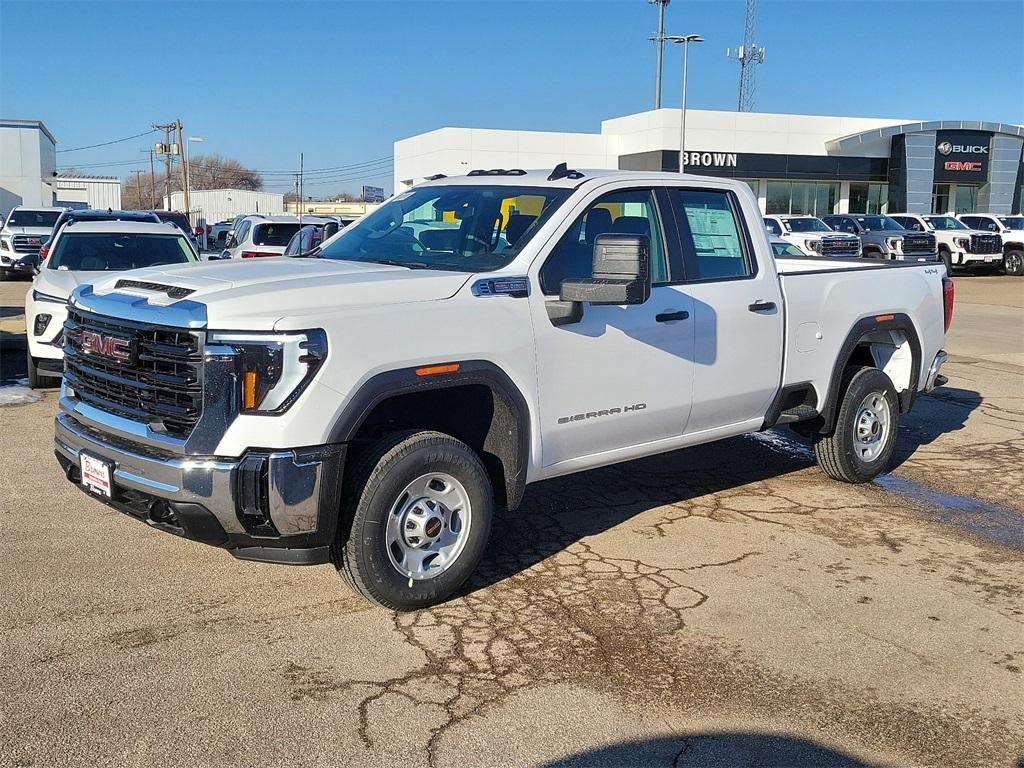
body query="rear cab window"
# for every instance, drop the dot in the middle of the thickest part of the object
(714, 241)
(273, 233)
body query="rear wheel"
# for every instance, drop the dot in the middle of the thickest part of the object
(1013, 263)
(864, 438)
(416, 520)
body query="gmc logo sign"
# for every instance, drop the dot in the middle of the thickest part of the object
(959, 165)
(114, 347)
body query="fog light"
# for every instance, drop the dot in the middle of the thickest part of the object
(40, 325)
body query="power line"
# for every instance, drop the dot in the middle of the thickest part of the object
(108, 143)
(365, 165)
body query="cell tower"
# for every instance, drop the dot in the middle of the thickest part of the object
(749, 55)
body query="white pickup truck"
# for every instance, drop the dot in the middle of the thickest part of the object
(370, 405)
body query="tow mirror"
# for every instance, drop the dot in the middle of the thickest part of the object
(621, 276)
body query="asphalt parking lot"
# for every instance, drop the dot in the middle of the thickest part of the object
(719, 606)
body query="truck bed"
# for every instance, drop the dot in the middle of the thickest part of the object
(825, 299)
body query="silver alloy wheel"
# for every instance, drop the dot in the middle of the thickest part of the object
(428, 526)
(871, 430)
(1012, 262)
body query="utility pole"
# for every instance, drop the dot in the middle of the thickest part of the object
(138, 185)
(659, 42)
(166, 149)
(300, 190)
(183, 169)
(152, 182)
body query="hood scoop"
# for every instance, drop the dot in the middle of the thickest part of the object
(172, 291)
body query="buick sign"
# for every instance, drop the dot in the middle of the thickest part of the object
(946, 148)
(962, 156)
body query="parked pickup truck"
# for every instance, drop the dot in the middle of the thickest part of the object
(813, 236)
(369, 405)
(958, 244)
(1010, 230)
(883, 238)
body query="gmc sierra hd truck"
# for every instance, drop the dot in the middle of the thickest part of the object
(1010, 230)
(370, 404)
(813, 236)
(958, 244)
(883, 238)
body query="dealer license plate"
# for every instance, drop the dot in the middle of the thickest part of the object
(95, 474)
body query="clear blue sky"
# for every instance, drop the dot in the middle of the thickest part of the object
(340, 81)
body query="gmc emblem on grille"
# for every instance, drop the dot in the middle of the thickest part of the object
(114, 347)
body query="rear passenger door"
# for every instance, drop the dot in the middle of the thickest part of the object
(738, 321)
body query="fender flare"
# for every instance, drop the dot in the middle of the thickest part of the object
(882, 322)
(403, 381)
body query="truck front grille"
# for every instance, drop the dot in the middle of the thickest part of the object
(986, 244)
(839, 246)
(919, 244)
(154, 375)
(27, 243)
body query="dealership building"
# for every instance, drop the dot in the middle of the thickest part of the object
(800, 164)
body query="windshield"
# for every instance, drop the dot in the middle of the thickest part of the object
(471, 228)
(786, 249)
(944, 222)
(879, 222)
(1012, 222)
(115, 251)
(33, 218)
(810, 224)
(274, 234)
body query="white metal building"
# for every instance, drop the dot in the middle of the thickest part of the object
(28, 161)
(76, 191)
(212, 205)
(794, 163)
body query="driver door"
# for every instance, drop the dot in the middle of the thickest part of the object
(621, 376)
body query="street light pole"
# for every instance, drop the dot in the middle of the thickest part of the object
(685, 40)
(188, 174)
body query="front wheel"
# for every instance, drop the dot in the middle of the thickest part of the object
(416, 520)
(1013, 263)
(37, 380)
(947, 259)
(864, 438)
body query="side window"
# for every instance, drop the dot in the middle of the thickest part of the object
(243, 230)
(713, 240)
(627, 212)
(773, 227)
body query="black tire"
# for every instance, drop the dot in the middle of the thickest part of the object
(839, 454)
(373, 488)
(4, 275)
(1013, 263)
(947, 259)
(37, 380)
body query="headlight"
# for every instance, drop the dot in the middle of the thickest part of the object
(40, 296)
(895, 243)
(963, 242)
(274, 368)
(813, 244)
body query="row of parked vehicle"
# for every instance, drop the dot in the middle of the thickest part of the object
(968, 241)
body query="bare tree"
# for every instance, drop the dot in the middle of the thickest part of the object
(206, 172)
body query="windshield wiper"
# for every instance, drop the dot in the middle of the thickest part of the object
(398, 263)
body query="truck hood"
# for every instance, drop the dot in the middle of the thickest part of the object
(32, 231)
(257, 294)
(61, 282)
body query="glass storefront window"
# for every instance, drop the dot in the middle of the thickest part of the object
(966, 199)
(753, 184)
(867, 197)
(810, 198)
(940, 198)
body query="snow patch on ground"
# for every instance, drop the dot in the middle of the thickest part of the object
(17, 394)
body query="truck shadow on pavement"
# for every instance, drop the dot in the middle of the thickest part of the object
(556, 514)
(704, 750)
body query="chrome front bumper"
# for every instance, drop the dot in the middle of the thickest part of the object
(934, 379)
(277, 506)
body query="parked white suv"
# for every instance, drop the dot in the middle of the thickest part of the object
(1010, 230)
(256, 236)
(23, 233)
(958, 244)
(82, 252)
(813, 236)
(371, 405)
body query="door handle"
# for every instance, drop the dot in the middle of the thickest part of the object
(667, 317)
(762, 306)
